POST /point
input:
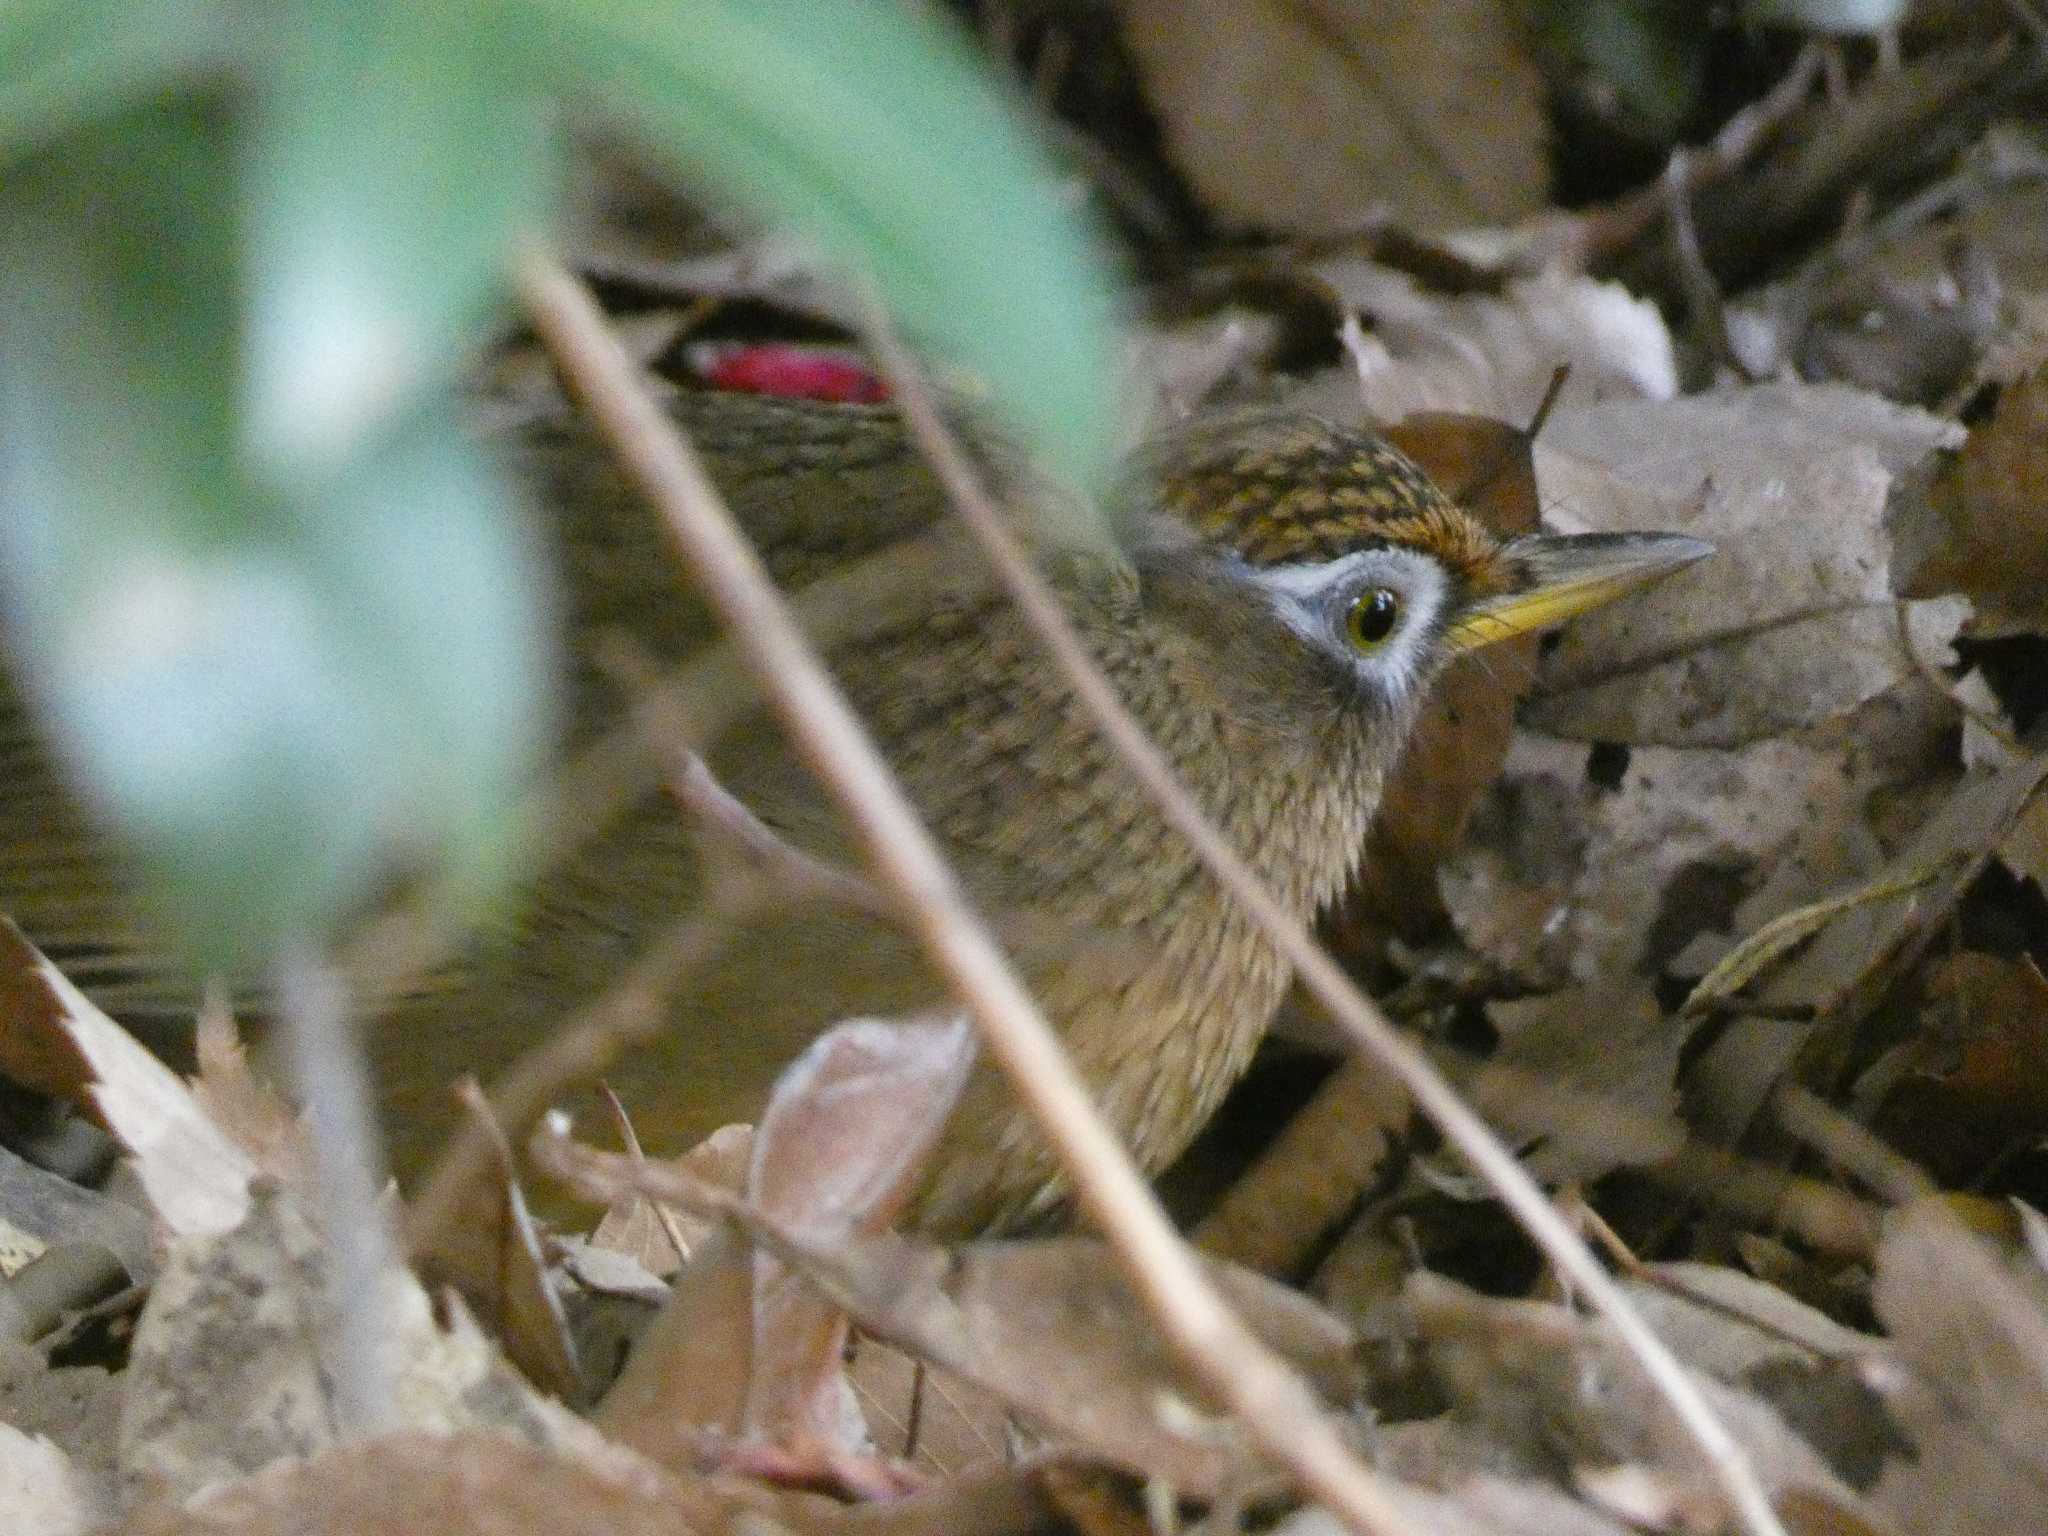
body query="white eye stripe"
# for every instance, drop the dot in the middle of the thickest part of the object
(1313, 600)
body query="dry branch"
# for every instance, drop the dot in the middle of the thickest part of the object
(1277, 1408)
(1319, 972)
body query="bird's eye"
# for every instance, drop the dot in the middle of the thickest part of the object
(1373, 617)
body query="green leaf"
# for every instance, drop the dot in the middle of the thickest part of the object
(392, 167)
(67, 62)
(276, 692)
(871, 129)
(1652, 53)
(1840, 17)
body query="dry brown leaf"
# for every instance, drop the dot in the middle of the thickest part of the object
(474, 1485)
(1982, 1080)
(1588, 1076)
(635, 1229)
(247, 1110)
(690, 1367)
(1313, 116)
(502, 1272)
(1053, 1330)
(957, 1424)
(1486, 1504)
(1050, 1328)
(1975, 1407)
(743, 1344)
(1793, 622)
(195, 1175)
(838, 1150)
(1550, 1383)
(2025, 849)
(1573, 878)
(1983, 527)
(1842, 974)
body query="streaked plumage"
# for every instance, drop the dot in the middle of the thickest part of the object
(1245, 542)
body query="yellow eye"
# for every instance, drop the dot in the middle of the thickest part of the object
(1373, 617)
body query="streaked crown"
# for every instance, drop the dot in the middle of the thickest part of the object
(1284, 489)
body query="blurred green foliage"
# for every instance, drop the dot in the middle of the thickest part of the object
(1649, 57)
(283, 619)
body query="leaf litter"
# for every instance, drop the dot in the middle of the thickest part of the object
(1776, 828)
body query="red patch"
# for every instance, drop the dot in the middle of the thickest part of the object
(794, 373)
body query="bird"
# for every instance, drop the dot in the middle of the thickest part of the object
(1273, 599)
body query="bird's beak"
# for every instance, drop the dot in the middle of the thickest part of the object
(1565, 574)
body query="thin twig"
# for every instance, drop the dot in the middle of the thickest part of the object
(726, 826)
(604, 780)
(749, 867)
(1609, 230)
(629, 1138)
(332, 1079)
(1276, 1407)
(1707, 314)
(1851, 1146)
(1350, 1008)
(579, 1051)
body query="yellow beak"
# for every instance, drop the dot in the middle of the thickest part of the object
(1565, 574)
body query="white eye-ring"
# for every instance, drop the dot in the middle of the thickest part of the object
(1374, 608)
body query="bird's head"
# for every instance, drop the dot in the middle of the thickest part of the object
(1365, 561)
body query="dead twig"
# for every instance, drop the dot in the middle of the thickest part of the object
(743, 842)
(1368, 1028)
(1704, 309)
(333, 1080)
(1277, 1407)
(1619, 225)
(600, 783)
(1850, 1146)
(749, 867)
(580, 1050)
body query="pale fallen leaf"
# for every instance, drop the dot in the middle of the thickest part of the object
(1313, 118)
(1573, 878)
(471, 1484)
(225, 1374)
(1489, 354)
(38, 1208)
(196, 1176)
(1974, 1407)
(74, 1407)
(1793, 621)
(41, 1494)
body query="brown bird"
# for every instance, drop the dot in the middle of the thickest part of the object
(1279, 594)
